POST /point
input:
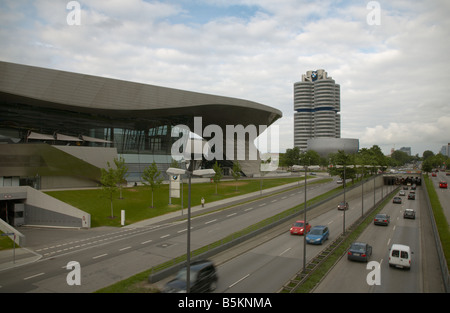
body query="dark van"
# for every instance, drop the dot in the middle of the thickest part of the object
(203, 277)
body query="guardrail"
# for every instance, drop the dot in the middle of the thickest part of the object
(437, 239)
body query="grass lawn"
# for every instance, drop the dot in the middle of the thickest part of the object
(136, 201)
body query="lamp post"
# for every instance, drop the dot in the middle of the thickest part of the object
(190, 165)
(304, 218)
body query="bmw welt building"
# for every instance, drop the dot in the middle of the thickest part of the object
(58, 129)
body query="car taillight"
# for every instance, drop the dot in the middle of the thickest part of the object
(349, 253)
(385, 221)
(363, 255)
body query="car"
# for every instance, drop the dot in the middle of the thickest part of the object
(400, 256)
(447, 174)
(409, 213)
(411, 196)
(405, 187)
(317, 235)
(298, 228)
(359, 251)
(203, 278)
(381, 219)
(339, 181)
(343, 205)
(433, 174)
(402, 193)
(397, 200)
(442, 184)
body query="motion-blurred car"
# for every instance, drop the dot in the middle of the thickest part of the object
(397, 200)
(409, 213)
(411, 196)
(299, 228)
(381, 219)
(317, 235)
(203, 278)
(402, 193)
(359, 251)
(343, 205)
(442, 184)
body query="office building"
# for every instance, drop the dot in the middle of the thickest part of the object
(317, 106)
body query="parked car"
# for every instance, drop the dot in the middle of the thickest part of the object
(343, 205)
(317, 235)
(442, 184)
(299, 228)
(400, 256)
(381, 219)
(203, 278)
(359, 251)
(409, 213)
(397, 200)
(411, 196)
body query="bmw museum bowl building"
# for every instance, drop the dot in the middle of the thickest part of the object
(58, 129)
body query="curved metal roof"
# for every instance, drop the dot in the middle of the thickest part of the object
(111, 97)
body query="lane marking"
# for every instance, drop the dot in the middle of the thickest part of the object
(129, 247)
(164, 236)
(33, 276)
(232, 285)
(99, 256)
(212, 221)
(231, 214)
(144, 242)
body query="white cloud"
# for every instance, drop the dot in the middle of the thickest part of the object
(392, 75)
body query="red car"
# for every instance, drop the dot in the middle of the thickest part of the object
(299, 228)
(443, 184)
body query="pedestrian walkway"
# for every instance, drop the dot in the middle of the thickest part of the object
(20, 256)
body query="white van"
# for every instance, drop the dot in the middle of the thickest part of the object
(400, 256)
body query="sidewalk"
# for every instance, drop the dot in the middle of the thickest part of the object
(22, 256)
(17, 257)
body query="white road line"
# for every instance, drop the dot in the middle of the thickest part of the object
(231, 214)
(164, 236)
(263, 204)
(181, 231)
(212, 221)
(144, 242)
(33, 276)
(239, 281)
(285, 251)
(388, 242)
(248, 209)
(99, 256)
(129, 247)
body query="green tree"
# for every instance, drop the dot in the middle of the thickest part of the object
(121, 172)
(218, 175)
(236, 172)
(108, 180)
(151, 177)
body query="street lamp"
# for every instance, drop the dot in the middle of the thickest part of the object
(304, 218)
(190, 165)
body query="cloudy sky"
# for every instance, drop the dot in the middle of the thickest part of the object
(391, 58)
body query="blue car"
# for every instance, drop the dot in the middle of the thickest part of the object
(317, 235)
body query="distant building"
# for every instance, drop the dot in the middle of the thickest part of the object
(407, 150)
(317, 106)
(445, 150)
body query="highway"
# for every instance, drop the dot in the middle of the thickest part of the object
(107, 255)
(268, 266)
(350, 276)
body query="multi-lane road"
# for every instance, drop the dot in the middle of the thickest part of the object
(108, 255)
(424, 274)
(267, 267)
